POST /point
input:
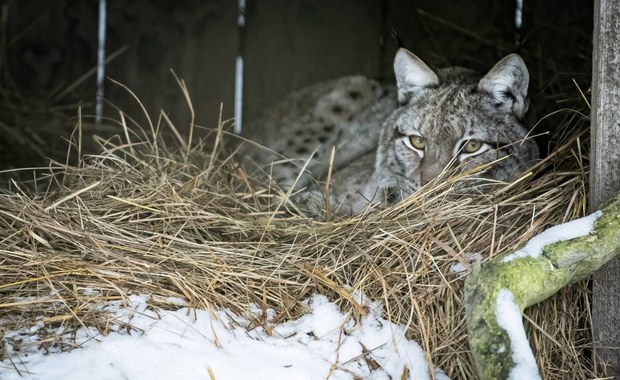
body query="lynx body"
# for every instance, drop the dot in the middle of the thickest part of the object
(391, 141)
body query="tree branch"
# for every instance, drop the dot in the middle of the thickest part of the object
(498, 289)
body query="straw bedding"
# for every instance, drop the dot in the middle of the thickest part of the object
(144, 216)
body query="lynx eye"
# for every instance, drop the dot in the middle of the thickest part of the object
(417, 142)
(472, 146)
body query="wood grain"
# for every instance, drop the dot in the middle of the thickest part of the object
(605, 172)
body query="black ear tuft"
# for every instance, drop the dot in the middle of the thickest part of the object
(396, 37)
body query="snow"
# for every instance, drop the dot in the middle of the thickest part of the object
(470, 258)
(509, 318)
(200, 344)
(567, 231)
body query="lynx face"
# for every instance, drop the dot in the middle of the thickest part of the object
(450, 118)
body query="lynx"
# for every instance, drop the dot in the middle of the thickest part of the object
(391, 141)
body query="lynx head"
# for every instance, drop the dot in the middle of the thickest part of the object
(451, 117)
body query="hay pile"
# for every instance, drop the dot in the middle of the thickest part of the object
(144, 216)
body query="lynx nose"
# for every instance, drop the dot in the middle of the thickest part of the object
(427, 175)
(432, 169)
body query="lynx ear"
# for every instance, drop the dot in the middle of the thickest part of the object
(507, 84)
(412, 75)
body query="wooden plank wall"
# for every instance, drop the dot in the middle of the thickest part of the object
(198, 41)
(605, 172)
(288, 44)
(291, 44)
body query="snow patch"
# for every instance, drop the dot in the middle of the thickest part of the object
(460, 268)
(198, 344)
(566, 231)
(509, 318)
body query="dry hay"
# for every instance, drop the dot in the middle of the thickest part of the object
(144, 216)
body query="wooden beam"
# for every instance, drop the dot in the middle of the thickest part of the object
(605, 172)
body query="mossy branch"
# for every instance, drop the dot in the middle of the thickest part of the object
(530, 279)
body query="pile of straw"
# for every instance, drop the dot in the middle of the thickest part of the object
(144, 216)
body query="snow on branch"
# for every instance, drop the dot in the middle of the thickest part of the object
(497, 292)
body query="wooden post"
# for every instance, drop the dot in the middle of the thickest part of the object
(605, 172)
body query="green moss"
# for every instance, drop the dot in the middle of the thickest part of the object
(531, 280)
